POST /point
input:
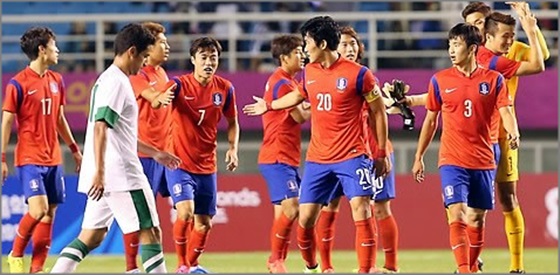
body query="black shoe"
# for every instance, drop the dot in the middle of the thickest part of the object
(480, 263)
(520, 271)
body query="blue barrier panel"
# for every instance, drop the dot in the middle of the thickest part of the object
(67, 223)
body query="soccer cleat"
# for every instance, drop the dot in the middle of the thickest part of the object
(46, 270)
(312, 270)
(480, 263)
(15, 263)
(198, 270)
(385, 270)
(136, 270)
(182, 270)
(520, 271)
(277, 266)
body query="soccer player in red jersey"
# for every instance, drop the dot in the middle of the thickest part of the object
(36, 98)
(336, 89)
(351, 48)
(280, 153)
(200, 100)
(154, 123)
(466, 172)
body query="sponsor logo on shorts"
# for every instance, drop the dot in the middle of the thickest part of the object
(177, 189)
(292, 186)
(448, 191)
(34, 184)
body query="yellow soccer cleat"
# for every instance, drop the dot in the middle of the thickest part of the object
(15, 263)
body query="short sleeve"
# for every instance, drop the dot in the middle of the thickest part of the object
(434, 101)
(11, 97)
(230, 106)
(505, 66)
(111, 100)
(301, 87)
(503, 97)
(62, 91)
(366, 81)
(282, 88)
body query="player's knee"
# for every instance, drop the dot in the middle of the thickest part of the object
(381, 210)
(360, 208)
(38, 212)
(290, 209)
(150, 235)
(92, 238)
(203, 226)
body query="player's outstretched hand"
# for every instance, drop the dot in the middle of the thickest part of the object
(231, 160)
(418, 170)
(521, 8)
(97, 187)
(256, 109)
(168, 160)
(166, 97)
(4, 172)
(78, 160)
(513, 141)
(382, 167)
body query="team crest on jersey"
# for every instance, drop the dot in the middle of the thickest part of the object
(54, 87)
(448, 191)
(341, 83)
(484, 88)
(34, 184)
(217, 99)
(177, 189)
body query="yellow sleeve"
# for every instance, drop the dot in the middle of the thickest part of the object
(542, 43)
(519, 51)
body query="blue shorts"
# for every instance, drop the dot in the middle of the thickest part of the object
(202, 188)
(42, 180)
(321, 181)
(384, 188)
(461, 185)
(497, 155)
(156, 176)
(282, 180)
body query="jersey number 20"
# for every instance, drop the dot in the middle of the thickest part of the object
(325, 102)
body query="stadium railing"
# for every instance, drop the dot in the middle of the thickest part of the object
(234, 55)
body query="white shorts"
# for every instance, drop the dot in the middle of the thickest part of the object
(133, 210)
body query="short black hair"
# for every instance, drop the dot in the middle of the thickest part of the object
(33, 38)
(470, 34)
(476, 7)
(205, 43)
(284, 45)
(492, 20)
(133, 35)
(322, 28)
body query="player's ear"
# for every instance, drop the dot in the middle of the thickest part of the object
(192, 60)
(132, 51)
(323, 44)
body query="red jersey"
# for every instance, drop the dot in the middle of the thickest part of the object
(371, 139)
(336, 95)
(36, 102)
(467, 105)
(196, 112)
(503, 65)
(282, 134)
(154, 125)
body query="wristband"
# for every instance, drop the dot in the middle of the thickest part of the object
(381, 153)
(74, 148)
(268, 106)
(3, 157)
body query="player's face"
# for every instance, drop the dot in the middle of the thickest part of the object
(312, 49)
(160, 51)
(50, 52)
(476, 19)
(459, 52)
(205, 62)
(138, 60)
(295, 60)
(502, 40)
(348, 47)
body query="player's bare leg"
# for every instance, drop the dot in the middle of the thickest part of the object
(38, 208)
(325, 230)
(475, 231)
(181, 231)
(389, 233)
(514, 223)
(284, 216)
(308, 214)
(365, 242)
(458, 236)
(197, 242)
(41, 239)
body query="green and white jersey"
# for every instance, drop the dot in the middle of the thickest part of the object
(113, 101)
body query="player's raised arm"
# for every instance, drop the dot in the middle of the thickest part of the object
(64, 131)
(522, 8)
(260, 106)
(7, 122)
